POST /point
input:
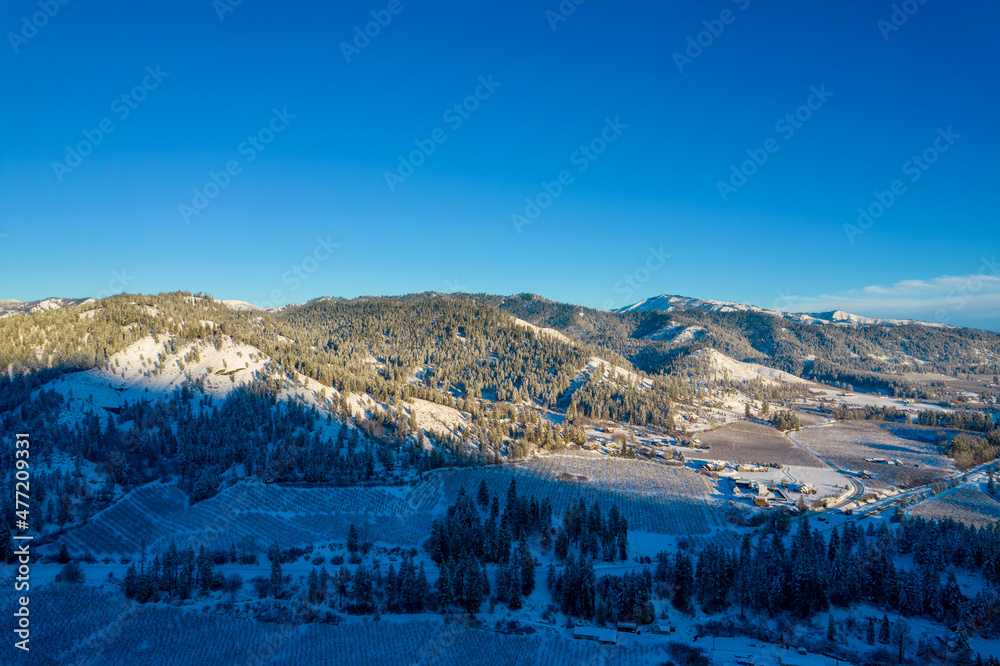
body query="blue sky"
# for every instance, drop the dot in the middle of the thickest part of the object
(644, 126)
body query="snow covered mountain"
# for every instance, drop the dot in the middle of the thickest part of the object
(9, 306)
(669, 303)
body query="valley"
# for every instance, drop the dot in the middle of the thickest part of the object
(502, 473)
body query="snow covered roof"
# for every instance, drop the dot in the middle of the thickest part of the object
(597, 634)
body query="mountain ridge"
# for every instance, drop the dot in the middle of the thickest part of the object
(671, 302)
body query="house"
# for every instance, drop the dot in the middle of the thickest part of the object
(630, 627)
(599, 634)
(663, 628)
(801, 659)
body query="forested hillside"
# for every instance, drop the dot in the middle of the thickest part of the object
(338, 392)
(870, 356)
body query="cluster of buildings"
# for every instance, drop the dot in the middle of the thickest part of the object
(610, 636)
(761, 493)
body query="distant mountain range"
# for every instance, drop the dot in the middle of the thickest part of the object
(662, 303)
(668, 303)
(11, 307)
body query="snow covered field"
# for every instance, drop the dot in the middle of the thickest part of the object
(752, 442)
(159, 513)
(652, 496)
(850, 444)
(967, 504)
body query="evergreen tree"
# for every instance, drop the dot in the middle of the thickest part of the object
(277, 579)
(353, 541)
(131, 584)
(683, 582)
(883, 630)
(443, 588)
(483, 495)
(526, 565)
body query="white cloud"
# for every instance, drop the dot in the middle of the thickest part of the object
(952, 299)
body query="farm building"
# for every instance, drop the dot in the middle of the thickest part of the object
(801, 659)
(630, 627)
(599, 634)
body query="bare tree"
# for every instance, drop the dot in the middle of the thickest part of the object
(900, 636)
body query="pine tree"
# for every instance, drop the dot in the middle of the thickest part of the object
(562, 543)
(353, 541)
(483, 496)
(683, 582)
(131, 584)
(443, 588)
(313, 584)
(883, 630)
(526, 565)
(277, 579)
(419, 590)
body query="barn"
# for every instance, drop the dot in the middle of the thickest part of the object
(599, 634)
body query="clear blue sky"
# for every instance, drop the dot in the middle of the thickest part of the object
(777, 240)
